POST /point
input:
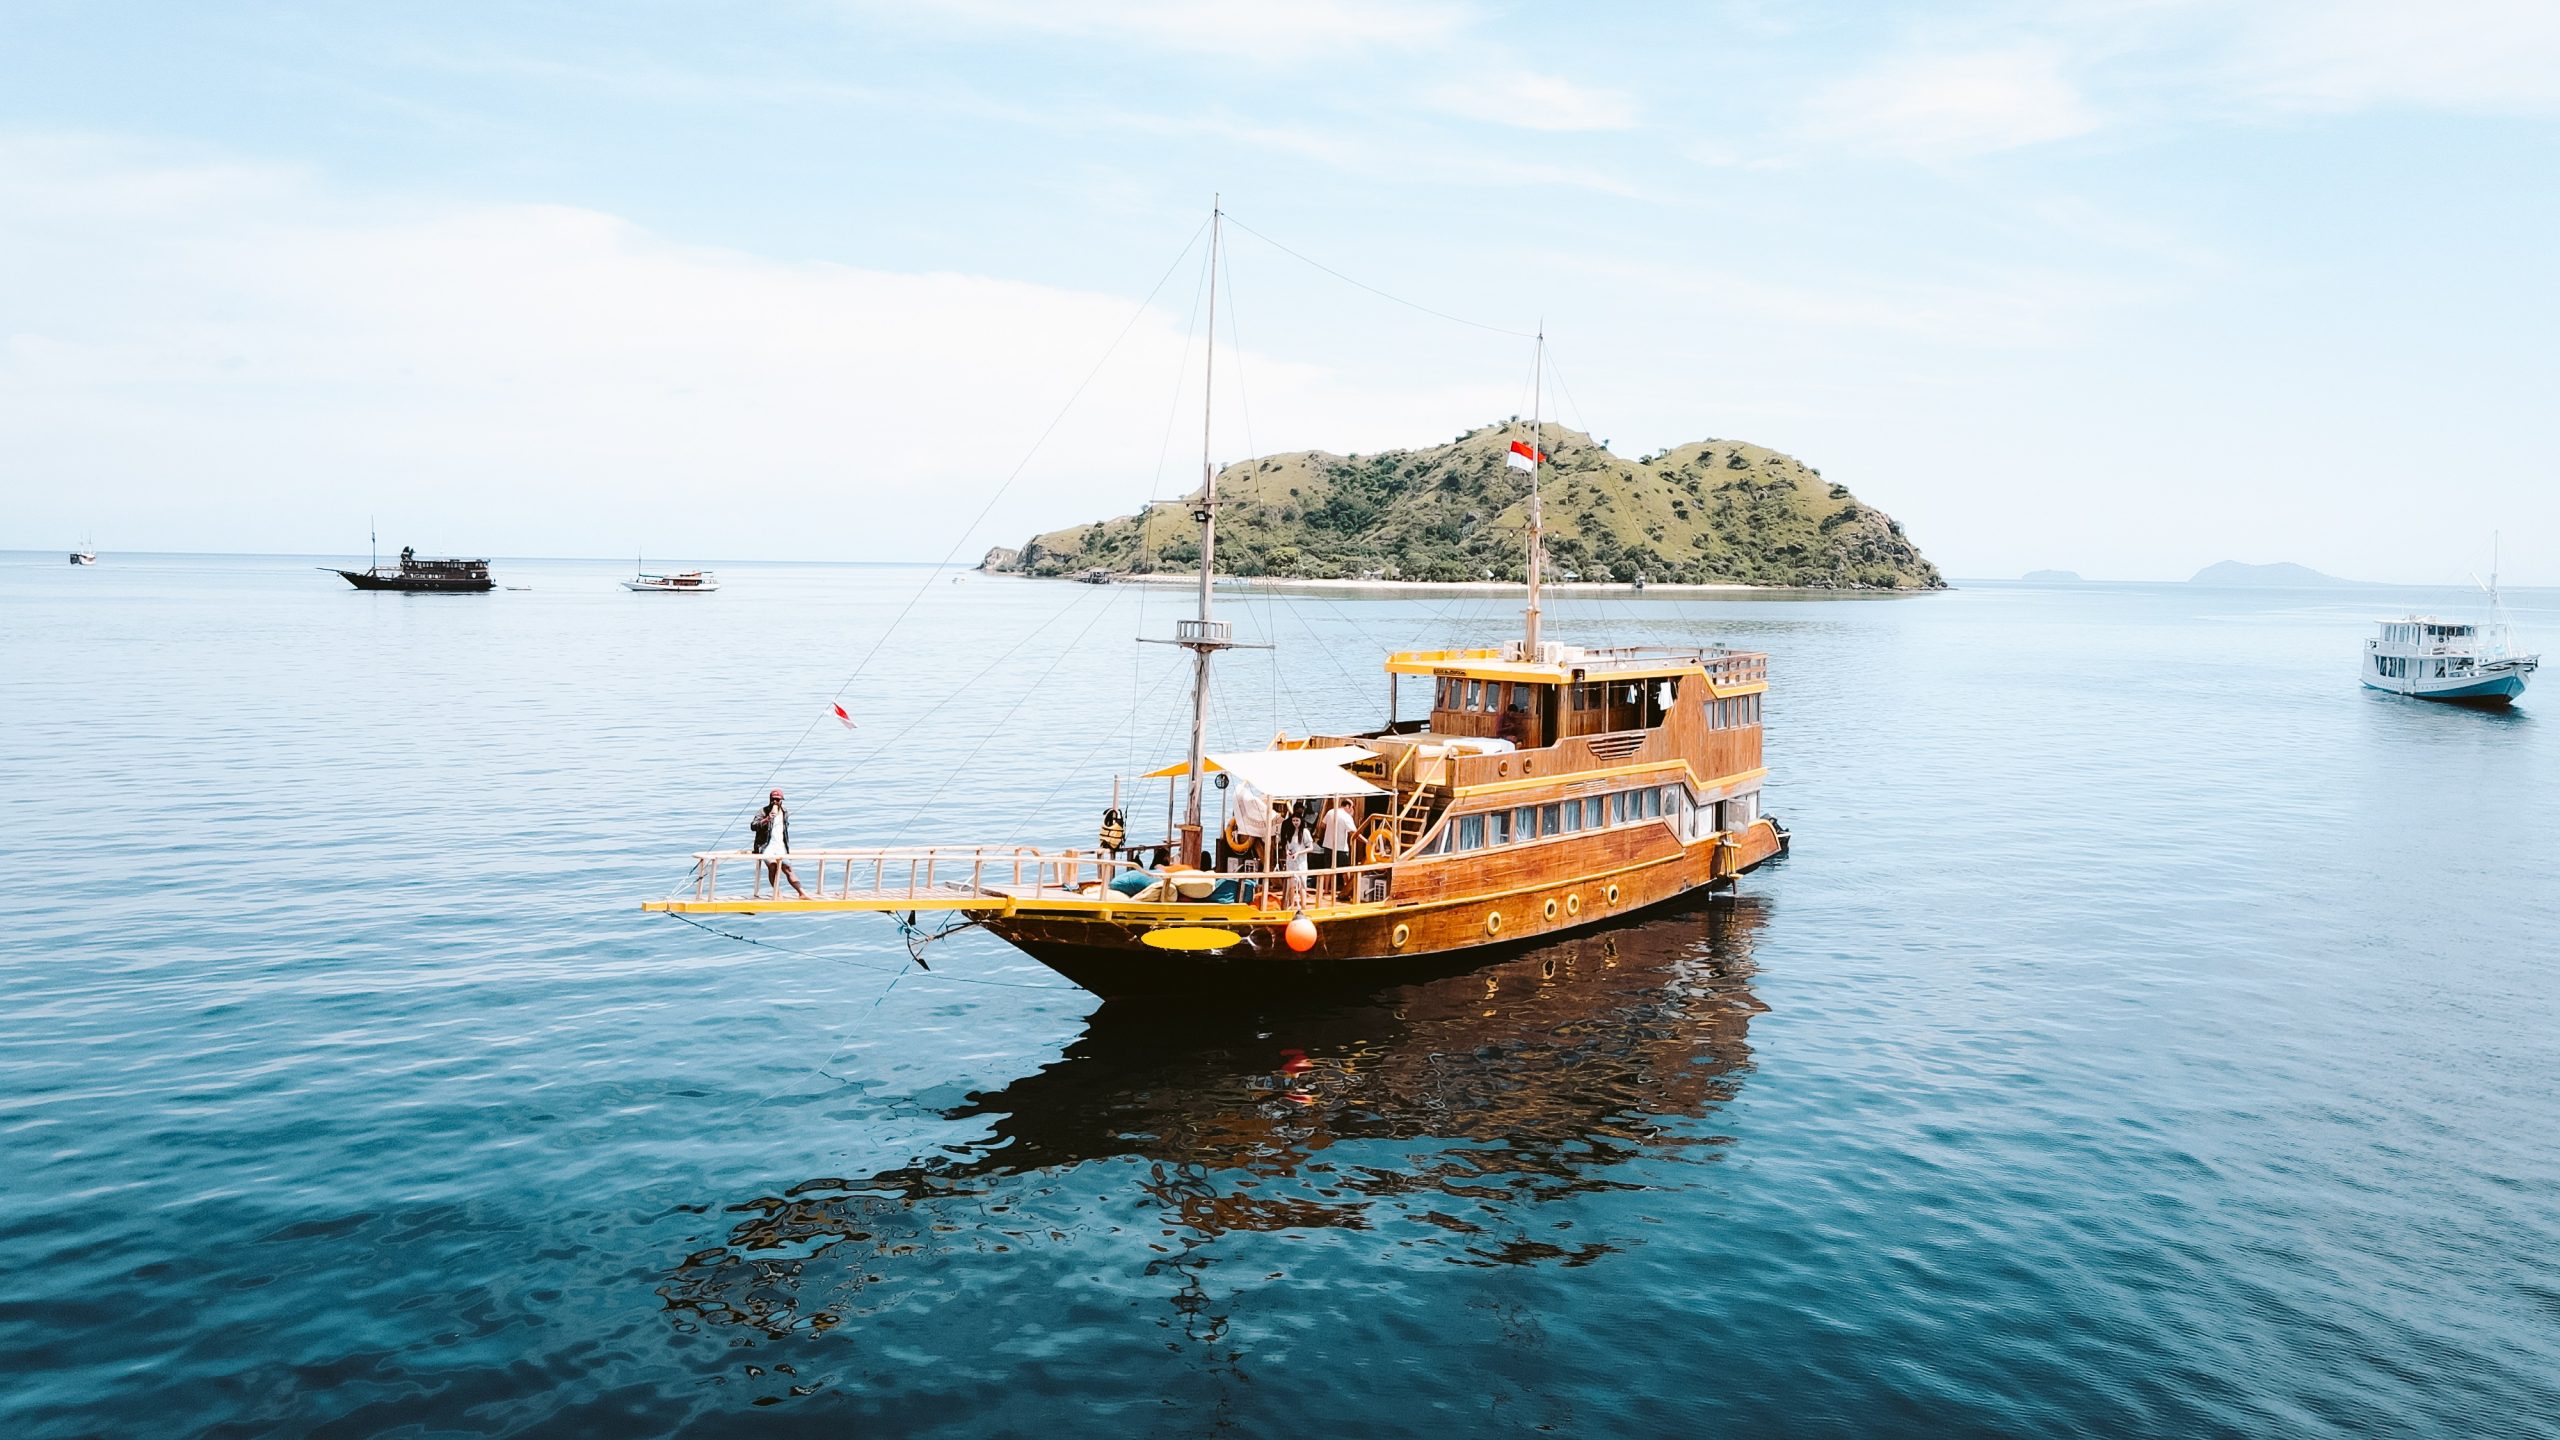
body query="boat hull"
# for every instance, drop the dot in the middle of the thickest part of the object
(417, 584)
(1368, 946)
(2495, 690)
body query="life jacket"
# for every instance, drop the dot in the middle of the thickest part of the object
(1115, 828)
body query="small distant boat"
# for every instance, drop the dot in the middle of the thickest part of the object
(2450, 660)
(87, 554)
(1095, 576)
(418, 574)
(688, 582)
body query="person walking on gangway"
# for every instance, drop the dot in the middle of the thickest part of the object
(772, 830)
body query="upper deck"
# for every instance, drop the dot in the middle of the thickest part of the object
(1729, 671)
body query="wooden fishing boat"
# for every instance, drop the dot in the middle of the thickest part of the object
(686, 582)
(1549, 787)
(418, 574)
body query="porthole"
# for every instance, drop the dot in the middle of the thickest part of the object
(1401, 935)
(1493, 922)
(1502, 769)
(1613, 894)
(1573, 904)
(1551, 907)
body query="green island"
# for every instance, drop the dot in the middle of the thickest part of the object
(1712, 512)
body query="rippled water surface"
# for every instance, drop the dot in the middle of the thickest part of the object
(2152, 1032)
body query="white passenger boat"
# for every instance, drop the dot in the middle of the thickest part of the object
(2451, 660)
(689, 582)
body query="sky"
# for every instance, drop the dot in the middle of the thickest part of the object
(2124, 287)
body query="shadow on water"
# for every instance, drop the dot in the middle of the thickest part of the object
(1432, 1117)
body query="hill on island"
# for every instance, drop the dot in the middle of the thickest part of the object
(2281, 573)
(1713, 511)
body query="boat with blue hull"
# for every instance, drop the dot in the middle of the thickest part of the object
(2449, 660)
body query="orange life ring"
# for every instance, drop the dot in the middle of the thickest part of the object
(1382, 841)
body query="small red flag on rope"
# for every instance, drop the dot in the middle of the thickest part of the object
(847, 719)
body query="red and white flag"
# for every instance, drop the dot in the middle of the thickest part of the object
(847, 719)
(1524, 456)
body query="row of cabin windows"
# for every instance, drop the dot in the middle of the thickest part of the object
(1492, 697)
(1484, 695)
(1673, 803)
(2401, 667)
(1557, 817)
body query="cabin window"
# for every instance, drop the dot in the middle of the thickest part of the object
(1520, 698)
(1572, 816)
(1653, 804)
(1524, 823)
(1594, 812)
(1497, 828)
(1475, 693)
(1439, 843)
(1741, 810)
(1470, 832)
(1546, 820)
(1493, 695)
(1618, 807)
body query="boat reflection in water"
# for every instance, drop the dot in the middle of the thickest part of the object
(1434, 1116)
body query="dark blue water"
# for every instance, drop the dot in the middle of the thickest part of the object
(2152, 1033)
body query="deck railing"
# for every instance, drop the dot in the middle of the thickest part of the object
(925, 875)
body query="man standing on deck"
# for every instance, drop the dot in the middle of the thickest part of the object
(1338, 830)
(772, 829)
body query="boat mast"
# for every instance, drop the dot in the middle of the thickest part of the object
(1203, 637)
(1537, 529)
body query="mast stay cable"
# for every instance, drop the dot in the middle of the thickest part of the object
(1023, 464)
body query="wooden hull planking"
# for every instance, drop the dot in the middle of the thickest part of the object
(1363, 945)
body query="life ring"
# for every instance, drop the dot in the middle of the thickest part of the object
(1573, 904)
(1402, 934)
(1382, 841)
(1493, 922)
(1551, 907)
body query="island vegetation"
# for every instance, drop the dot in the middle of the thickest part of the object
(1709, 512)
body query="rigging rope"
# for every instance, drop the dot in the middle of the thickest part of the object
(1374, 290)
(983, 511)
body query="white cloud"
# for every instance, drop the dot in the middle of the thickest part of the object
(1533, 102)
(1240, 29)
(236, 357)
(2496, 56)
(1950, 105)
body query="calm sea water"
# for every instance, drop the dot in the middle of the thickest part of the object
(2152, 1033)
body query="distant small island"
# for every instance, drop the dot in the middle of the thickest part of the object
(2052, 577)
(1711, 512)
(2281, 574)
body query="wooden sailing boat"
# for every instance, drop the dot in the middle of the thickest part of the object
(1551, 787)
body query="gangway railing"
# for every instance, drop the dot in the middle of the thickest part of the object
(988, 876)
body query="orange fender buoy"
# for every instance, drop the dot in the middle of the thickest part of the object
(1301, 933)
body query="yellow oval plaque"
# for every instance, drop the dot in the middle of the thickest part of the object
(1191, 937)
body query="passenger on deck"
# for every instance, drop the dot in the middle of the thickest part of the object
(772, 831)
(1297, 842)
(1337, 830)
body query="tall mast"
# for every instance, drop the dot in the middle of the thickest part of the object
(1204, 636)
(1537, 452)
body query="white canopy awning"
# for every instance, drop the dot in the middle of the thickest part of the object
(1292, 774)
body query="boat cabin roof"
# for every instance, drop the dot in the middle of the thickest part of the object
(1563, 664)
